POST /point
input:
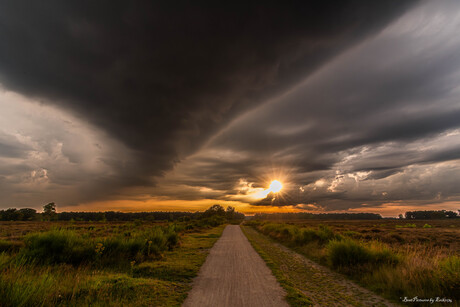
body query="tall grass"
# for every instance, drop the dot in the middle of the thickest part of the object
(349, 254)
(58, 246)
(298, 236)
(10, 246)
(393, 272)
(66, 246)
(95, 266)
(25, 284)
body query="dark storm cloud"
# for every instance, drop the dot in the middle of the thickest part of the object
(377, 124)
(163, 77)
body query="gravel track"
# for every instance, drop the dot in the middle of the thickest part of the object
(235, 275)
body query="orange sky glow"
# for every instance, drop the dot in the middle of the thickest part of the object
(386, 210)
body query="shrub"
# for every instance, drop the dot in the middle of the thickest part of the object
(408, 225)
(58, 246)
(119, 248)
(292, 234)
(427, 226)
(325, 234)
(212, 221)
(349, 253)
(65, 246)
(306, 236)
(449, 275)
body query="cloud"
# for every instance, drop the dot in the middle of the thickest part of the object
(162, 78)
(50, 155)
(379, 123)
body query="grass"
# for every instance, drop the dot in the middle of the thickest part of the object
(104, 264)
(417, 261)
(294, 296)
(408, 225)
(349, 254)
(10, 246)
(67, 246)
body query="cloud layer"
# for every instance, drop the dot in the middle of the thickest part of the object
(47, 154)
(377, 124)
(351, 105)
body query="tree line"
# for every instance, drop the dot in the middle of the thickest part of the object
(50, 214)
(431, 215)
(410, 215)
(318, 216)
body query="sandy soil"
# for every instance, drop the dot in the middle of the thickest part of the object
(235, 275)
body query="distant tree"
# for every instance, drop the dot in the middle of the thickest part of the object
(28, 214)
(49, 211)
(11, 214)
(431, 215)
(401, 216)
(321, 216)
(214, 210)
(230, 212)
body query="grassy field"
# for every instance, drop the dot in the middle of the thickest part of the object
(100, 264)
(394, 258)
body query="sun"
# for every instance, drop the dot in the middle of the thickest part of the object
(275, 186)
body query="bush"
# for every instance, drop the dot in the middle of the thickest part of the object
(408, 225)
(65, 246)
(306, 236)
(349, 253)
(294, 235)
(119, 248)
(449, 275)
(58, 246)
(325, 234)
(212, 221)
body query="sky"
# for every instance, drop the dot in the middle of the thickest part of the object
(353, 106)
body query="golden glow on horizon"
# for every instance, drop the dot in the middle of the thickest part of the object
(155, 204)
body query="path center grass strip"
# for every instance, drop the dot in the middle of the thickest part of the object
(275, 260)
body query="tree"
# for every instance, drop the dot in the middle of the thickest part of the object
(28, 214)
(10, 214)
(49, 211)
(229, 212)
(431, 215)
(214, 210)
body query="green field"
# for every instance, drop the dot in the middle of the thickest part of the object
(101, 263)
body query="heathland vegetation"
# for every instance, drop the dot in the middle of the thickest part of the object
(385, 256)
(79, 263)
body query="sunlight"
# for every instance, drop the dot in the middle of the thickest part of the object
(275, 186)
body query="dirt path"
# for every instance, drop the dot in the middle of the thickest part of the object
(322, 286)
(235, 275)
